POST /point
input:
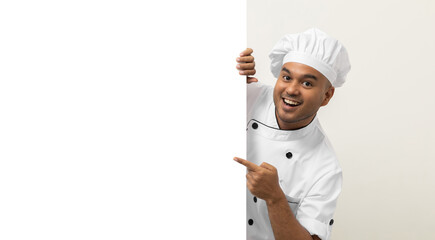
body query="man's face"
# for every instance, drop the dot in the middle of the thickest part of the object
(299, 92)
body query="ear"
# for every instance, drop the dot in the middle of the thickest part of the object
(328, 95)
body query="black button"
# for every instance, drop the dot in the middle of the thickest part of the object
(331, 222)
(255, 199)
(250, 221)
(289, 155)
(254, 125)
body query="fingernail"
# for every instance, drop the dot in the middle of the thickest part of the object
(238, 66)
(242, 72)
(238, 59)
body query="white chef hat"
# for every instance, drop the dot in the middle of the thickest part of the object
(315, 49)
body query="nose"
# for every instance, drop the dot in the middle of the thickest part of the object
(292, 88)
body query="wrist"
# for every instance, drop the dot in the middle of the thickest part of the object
(276, 198)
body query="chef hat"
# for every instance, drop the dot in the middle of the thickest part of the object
(315, 49)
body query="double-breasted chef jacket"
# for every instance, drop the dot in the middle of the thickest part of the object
(308, 169)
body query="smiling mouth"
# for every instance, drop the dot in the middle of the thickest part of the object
(291, 103)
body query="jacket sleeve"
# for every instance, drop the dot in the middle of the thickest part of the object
(254, 91)
(316, 210)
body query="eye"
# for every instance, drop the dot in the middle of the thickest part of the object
(287, 78)
(307, 84)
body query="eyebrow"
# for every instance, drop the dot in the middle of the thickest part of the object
(304, 76)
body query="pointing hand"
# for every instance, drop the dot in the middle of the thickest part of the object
(262, 181)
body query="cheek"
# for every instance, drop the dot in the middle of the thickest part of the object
(276, 93)
(275, 98)
(316, 100)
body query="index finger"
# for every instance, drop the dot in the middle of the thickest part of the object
(249, 165)
(246, 52)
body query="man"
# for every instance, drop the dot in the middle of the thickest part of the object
(293, 178)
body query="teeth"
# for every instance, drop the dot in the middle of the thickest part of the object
(290, 102)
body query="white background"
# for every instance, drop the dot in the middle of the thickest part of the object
(120, 119)
(381, 121)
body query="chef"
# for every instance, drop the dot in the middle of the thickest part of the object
(293, 175)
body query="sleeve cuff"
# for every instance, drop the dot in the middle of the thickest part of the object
(315, 227)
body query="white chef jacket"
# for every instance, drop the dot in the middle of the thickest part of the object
(308, 169)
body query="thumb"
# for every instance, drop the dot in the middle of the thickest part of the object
(251, 79)
(268, 166)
